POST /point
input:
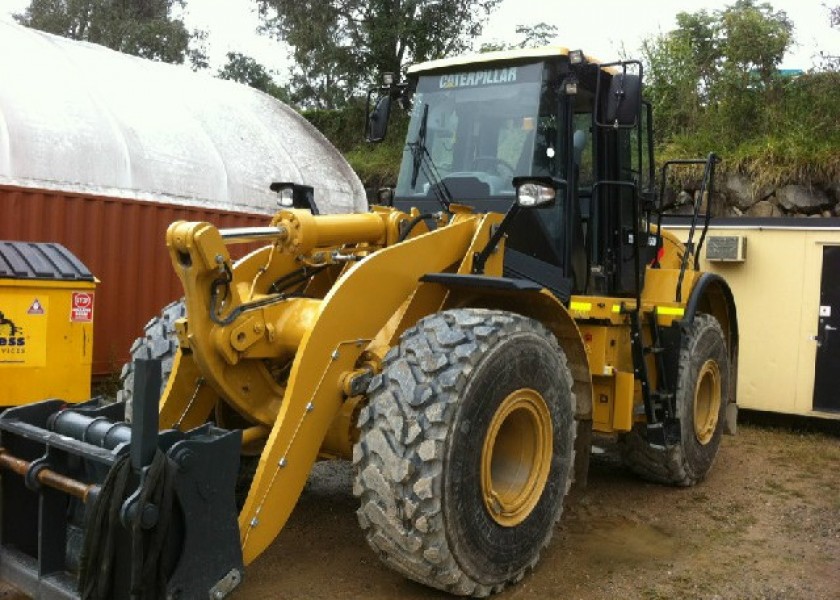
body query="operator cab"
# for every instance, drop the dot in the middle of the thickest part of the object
(478, 122)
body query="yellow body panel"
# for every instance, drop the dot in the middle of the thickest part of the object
(605, 327)
(49, 354)
(625, 394)
(477, 60)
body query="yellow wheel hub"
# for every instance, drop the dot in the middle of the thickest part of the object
(707, 402)
(516, 457)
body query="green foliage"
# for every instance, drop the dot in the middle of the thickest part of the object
(714, 85)
(342, 46)
(831, 62)
(801, 141)
(344, 127)
(143, 28)
(244, 69)
(534, 36)
(531, 36)
(376, 164)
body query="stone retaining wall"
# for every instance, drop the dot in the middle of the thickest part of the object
(737, 195)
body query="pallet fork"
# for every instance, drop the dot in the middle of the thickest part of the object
(93, 507)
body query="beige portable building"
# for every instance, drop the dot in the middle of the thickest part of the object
(785, 276)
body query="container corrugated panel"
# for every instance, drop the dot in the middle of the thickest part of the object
(122, 242)
(31, 260)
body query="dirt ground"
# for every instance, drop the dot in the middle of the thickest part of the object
(764, 525)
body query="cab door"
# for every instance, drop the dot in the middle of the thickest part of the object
(827, 368)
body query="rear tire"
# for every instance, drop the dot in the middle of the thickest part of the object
(159, 341)
(701, 400)
(466, 450)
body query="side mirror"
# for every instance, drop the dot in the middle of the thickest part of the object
(377, 119)
(536, 192)
(624, 101)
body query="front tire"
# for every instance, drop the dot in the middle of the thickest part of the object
(701, 399)
(466, 450)
(160, 341)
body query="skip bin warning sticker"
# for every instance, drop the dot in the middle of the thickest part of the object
(22, 335)
(36, 308)
(81, 308)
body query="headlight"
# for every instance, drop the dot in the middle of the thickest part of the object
(286, 198)
(535, 194)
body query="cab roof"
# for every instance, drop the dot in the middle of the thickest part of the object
(500, 56)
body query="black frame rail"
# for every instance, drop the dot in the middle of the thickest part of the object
(706, 191)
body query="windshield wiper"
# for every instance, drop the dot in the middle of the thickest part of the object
(422, 161)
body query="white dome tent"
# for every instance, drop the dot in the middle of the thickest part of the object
(81, 117)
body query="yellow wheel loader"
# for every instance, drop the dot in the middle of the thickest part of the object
(460, 345)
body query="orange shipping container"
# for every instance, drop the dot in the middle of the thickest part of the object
(122, 243)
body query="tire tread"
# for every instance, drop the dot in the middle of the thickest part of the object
(401, 451)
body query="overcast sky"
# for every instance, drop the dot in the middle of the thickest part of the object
(231, 25)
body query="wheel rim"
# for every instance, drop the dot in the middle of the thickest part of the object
(516, 457)
(707, 402)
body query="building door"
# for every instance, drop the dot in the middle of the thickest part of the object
(827, 374)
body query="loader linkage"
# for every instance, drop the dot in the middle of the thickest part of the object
(97, 508)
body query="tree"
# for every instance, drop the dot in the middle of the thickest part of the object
(536, 35)
(145, 28)
(340, 46)
(244, 69)
(719, 68)
(830, 62)
(532, 36)
(754, 39)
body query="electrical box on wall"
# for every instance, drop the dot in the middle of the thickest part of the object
(726, 248)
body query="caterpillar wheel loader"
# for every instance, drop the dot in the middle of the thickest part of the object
(459, 345)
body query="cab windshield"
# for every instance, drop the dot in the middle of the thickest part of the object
(483, 127)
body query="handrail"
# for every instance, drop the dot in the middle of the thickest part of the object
(706, 191)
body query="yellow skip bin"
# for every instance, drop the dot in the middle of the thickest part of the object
(47, 306)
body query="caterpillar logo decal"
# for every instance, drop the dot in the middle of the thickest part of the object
(478, 78)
